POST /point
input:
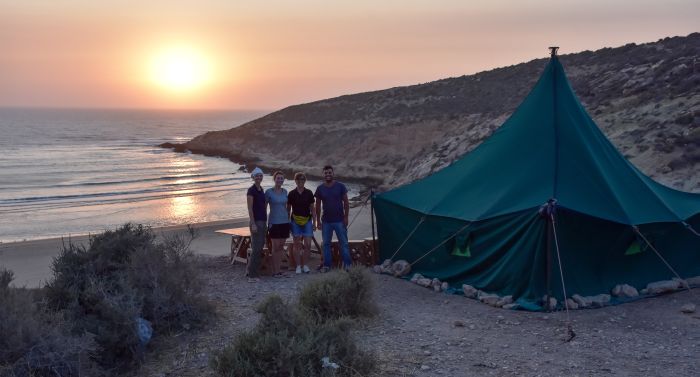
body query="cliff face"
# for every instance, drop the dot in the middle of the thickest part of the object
(645, 98)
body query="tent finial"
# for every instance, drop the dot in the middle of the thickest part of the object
(553, 50)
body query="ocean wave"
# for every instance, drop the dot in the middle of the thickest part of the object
(130, 181)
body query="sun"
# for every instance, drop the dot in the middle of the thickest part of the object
(180, 69)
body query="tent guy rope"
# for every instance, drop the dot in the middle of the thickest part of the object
(408, 237)
(441, 243)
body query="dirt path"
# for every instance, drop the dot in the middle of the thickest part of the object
(422, 333)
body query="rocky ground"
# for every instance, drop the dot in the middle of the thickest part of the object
(422, 333)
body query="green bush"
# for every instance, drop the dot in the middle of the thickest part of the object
(287, 342)
(34, 342)
(339, 294)
(122, 277)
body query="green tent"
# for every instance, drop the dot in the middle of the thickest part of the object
(546, 183)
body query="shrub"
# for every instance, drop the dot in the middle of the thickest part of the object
(286, 342)
(339, 294)
(122, 278)
(34, 342)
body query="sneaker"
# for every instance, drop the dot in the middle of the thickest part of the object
(306, 269)
(298, 270)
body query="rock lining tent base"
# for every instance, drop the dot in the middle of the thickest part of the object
(490, 219)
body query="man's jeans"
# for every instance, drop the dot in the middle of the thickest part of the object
(342, 233)
(258, 241)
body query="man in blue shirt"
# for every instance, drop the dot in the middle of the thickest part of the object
(336, 207)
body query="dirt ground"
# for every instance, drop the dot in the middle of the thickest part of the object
(422, 333)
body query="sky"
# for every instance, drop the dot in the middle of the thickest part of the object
(269, 54)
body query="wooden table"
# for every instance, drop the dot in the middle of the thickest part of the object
(240, 243)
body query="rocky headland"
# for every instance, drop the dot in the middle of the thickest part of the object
(645, 98)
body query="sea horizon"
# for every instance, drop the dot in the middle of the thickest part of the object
(82, 171)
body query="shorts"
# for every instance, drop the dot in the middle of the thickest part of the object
(279, 231)
(306, 230)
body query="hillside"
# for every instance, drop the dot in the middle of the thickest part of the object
(645, 98)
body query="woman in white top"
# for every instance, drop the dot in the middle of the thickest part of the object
(278, 221)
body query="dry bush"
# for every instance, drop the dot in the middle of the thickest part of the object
(339, 294)
(122, 278)
(286, 342)
(34, 342)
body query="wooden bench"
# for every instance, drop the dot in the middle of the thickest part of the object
(361, 251)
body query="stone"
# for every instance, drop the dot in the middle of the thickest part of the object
(458, 323)
(681, 282)
(511, 306)
(663, 286)
(401, 268)
(436, 284)
(598, 301)
(505, 300)
(386, 266)
(424, 367)
(581, 301)
(571, 304)
(469, 291)
(489, 299)
(694, 281)
(444, 286)
(624, 290)
(415, 278)
(552, 304)
(377, 269)
(688, 308)
(424, 282)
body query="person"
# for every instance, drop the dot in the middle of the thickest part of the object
(301, 203)
(336, 207)
(278, 221)
(258, 223)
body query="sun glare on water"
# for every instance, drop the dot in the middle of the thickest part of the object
(180, 69)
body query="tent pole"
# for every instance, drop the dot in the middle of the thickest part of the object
(375, 257)
(548, 265)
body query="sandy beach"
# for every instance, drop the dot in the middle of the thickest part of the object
(31, 260)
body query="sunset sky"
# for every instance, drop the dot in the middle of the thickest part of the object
(265, 54)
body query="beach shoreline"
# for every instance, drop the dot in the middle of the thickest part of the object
(31, 260)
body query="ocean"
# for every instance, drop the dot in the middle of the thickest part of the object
(73, 172)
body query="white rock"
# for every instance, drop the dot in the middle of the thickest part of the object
(598, 301)
(489, 299)
(552, 303)
(624, 290)
(436, 284)
(400, 268)
(424, 282)
(415, 278)
(681, 283)
(445, 286)
(694, 281)
(469, 291)
(571, 304)
(688, 308)
(663, 286)
(377, 269)
(581, 301)
(510, 306)
(505, 300)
